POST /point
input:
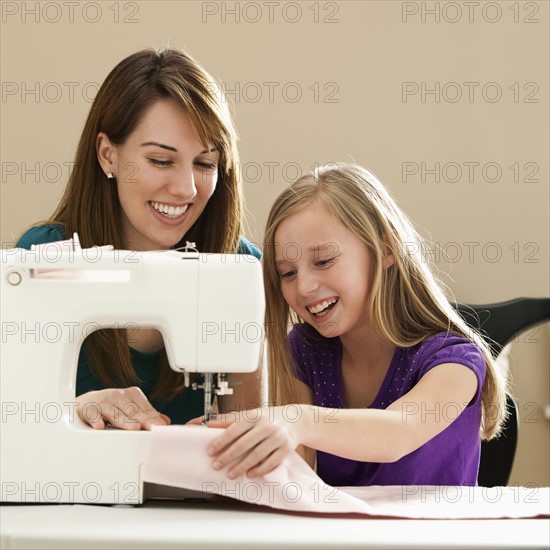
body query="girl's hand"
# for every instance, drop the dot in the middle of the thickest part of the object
(258, 440)
(126, 408)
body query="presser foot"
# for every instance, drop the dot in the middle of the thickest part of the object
(209, 416)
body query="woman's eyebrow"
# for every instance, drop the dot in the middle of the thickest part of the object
(156, 144)
(170, 148)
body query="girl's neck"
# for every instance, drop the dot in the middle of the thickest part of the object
(366, 350)
(365, 361)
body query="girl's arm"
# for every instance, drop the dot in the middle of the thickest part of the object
(305, 395)
(370, 435)
(390, 434)
(246, 393)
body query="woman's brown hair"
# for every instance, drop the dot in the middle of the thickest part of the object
(90, 205)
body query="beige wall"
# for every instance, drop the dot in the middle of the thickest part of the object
(363, 69)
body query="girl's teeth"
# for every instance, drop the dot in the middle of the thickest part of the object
(322, 306)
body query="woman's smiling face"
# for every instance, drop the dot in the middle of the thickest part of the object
(164, 175)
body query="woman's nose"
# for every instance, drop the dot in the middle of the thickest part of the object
(183, 185)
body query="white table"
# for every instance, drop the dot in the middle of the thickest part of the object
(230, 524)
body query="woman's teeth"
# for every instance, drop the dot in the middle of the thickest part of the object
(170, 211)
(321, 307)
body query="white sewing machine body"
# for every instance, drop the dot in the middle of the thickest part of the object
(208, 307)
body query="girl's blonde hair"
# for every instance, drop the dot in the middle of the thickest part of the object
(90, 205)
(406, 302)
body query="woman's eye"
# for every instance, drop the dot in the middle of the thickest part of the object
(162, 163)
(210, 166)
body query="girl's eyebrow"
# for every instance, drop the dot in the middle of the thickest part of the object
(170, 148)
(312, 248)
(321, 245)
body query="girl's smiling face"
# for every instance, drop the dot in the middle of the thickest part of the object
(325, 271)
(164, 175)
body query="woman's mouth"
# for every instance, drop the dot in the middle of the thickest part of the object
(168, 211)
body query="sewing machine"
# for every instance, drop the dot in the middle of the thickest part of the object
(208, 307)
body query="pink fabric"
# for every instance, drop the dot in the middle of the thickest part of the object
(177, 458)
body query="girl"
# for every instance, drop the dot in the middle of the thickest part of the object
(386, 382)
(155, 167)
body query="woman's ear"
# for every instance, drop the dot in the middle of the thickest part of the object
(106, 154)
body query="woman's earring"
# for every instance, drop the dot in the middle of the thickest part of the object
(110, 175)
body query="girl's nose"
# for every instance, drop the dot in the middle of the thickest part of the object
(307, 283)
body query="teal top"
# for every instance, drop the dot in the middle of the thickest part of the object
(185, 406)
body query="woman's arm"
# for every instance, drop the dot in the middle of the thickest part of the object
(124, 408)
(368, 435)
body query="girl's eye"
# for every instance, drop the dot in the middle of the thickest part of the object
(159, 162)
(287, 275)
(322, 263)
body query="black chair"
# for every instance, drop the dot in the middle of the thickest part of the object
(500, 323)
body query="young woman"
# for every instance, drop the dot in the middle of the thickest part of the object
(155, 167)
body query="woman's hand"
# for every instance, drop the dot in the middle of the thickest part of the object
(126, 408)
(258, 440)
